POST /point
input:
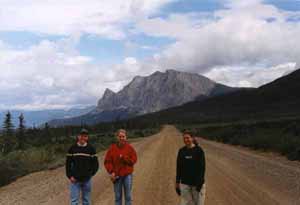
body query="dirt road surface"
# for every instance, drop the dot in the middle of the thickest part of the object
(235, 176)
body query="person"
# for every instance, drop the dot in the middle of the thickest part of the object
(119, 162)
(190, 172)
(81, 165)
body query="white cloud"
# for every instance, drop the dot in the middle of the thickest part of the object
(50, 76)
(247, 44)
(71, 17)
(53, 74)
(244, 76)
(248, 33)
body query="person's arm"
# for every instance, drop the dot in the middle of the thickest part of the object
(95, 163)
(69, 163)
(108, 161)
(178, 173)
(178, 167)
(202, 167)
(131, 158)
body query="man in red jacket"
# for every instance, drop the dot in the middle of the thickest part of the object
(119, 161)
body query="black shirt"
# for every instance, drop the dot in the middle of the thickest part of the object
(82, 162)
(190, 166)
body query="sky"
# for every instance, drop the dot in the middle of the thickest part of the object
(65, 53)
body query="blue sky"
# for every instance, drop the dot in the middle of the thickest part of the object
(88, 46)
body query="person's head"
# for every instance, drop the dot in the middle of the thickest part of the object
(121, 136)
(83, 136)
(188, 139)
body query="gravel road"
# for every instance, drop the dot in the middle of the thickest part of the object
(235, 176)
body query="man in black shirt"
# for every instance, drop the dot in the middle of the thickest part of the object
(81, 165)
(190, 172)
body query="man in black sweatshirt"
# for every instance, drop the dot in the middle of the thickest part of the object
(190, 172)
(81, 165)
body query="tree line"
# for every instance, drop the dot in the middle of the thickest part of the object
(12, 138)
(22, 137)
(25, 149)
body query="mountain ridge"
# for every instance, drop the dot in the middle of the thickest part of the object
(160, 90)
(152, 93)
(279, 98)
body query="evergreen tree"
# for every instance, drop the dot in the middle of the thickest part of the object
(8, 132)
(8, 127)
(21, 131)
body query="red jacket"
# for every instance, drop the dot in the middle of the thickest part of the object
(120, 160)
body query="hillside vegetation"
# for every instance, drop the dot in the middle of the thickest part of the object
(45, 148)
(281, 136)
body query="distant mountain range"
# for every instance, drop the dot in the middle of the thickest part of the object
(37, 118)
(278, 99)
(159, 91)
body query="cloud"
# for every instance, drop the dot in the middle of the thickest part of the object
(55, 75)
(247, 44)
(244, 76)
(250, 33)
(106, 18)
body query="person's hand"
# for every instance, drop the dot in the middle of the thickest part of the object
(177, 188)
(126, 159)
(198, 188)
(72, 179)
(113, 177)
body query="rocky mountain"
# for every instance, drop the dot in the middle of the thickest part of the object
(152, 93)
(275, 100)
(160, 91)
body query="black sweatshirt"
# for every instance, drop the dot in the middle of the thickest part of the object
(82, 162)
(190, 166)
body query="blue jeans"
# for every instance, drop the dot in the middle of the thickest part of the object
(120, 184)
(84, 188)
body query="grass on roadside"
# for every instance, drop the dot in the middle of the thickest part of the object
(50, 156)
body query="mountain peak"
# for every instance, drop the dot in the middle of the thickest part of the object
(108, 93)
(156, 73)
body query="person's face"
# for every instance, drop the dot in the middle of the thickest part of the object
(121, 137)
(187, 139)
(83, 138)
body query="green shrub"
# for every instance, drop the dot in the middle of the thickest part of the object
(50, 155)
(280, 136)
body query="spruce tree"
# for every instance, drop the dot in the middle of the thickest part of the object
(21, 131)
(8, 126)
(8, 132)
